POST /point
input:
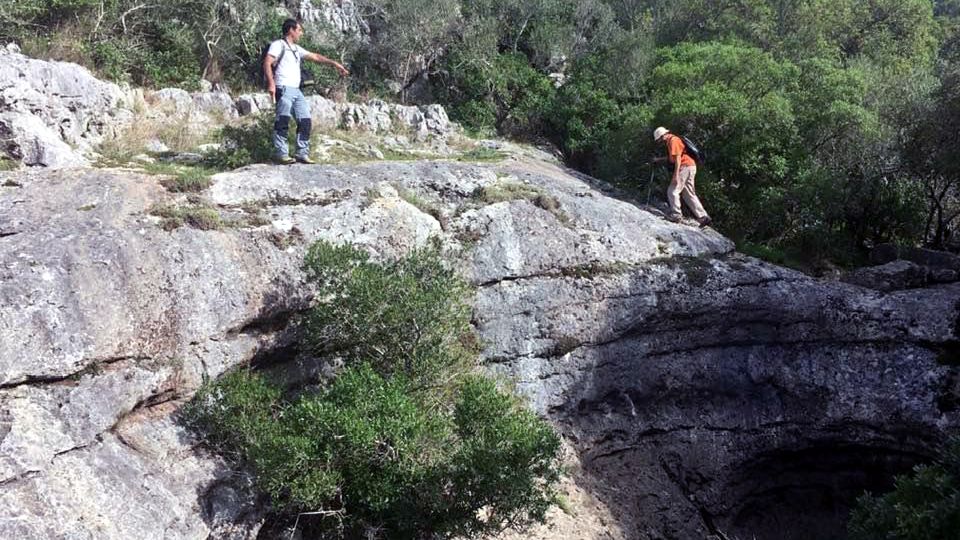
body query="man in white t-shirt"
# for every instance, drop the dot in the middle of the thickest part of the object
(281, 67)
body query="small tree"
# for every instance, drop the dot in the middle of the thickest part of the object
(404, 443)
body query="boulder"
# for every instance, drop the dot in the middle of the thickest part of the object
(27, 138)
(930, 258)
(71, 105)
(253, 103)
(216, 105)
(892, 276)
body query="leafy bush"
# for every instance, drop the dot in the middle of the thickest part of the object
(200, 217)
(247, 143)
(924, 505)
(407, 316)
(404, 446)
(184, 179)
(375, 454)
(507, 93)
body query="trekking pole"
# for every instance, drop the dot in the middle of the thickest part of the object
(650, 183)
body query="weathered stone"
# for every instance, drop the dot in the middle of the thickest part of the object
(892, 276)
(248, 104)
(65, 99)
(216, 105)
(324, 112)
(25, 137)
(369, 117)
(436, 119)
(172, 100)
(334, 21)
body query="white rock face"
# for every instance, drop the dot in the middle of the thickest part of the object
(333, 20)
(56, 114)
(53, 112)
(626, 330)
(28, 139)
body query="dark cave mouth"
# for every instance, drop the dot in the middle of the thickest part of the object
(808, 493)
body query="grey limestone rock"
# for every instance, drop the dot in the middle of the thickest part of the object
(892, 276)
(334, 20)
(693, 382)
(53, 112)
(26, 138)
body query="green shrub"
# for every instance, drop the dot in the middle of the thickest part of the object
(924, 505)
(506, 93)
(200, 217)
(481, 153)
(183, 179)
(507, 190)
(7, 164)
(378, 453)
(408, 316)
(243, 405)
(246, 143)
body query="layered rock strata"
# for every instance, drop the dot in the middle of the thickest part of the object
(706, 393)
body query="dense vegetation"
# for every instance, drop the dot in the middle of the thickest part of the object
(406, 441)
(830, 125)
(924, 505)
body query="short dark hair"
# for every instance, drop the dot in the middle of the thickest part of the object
(289, 25)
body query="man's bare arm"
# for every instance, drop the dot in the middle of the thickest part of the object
(321, 59)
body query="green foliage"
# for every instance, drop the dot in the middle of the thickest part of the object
(507, 190)
(379, 456)
(200, 217)
(508, 94)
(924, 505)
(510, 190)
(7, 164)
(172, 43)
(823, 119)
(242, 405)
(247, 143)
(393, 447)
(483, 154)
(183, 179)
(407, 316)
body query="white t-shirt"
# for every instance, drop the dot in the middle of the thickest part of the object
(287, 72)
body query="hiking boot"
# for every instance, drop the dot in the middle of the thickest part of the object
(305, 160)
(674, 219)
(282, 160)
(704, 221)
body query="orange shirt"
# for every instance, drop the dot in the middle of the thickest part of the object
(675, 148)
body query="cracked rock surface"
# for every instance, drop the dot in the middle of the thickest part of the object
(701, 392)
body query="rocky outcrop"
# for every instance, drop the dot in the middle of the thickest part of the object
(334, 21)
(706, 393)
(57, 115)
(375, 116)
(51, 113)
(703, 393)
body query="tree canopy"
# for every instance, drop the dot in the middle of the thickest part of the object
(829, 124)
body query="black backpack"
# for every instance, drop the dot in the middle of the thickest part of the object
(692, 150)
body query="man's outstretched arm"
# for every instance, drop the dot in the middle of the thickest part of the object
(321, 59)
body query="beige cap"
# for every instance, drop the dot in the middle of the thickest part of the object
(659, 133)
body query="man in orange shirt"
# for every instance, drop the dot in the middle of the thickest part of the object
(682, 182)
